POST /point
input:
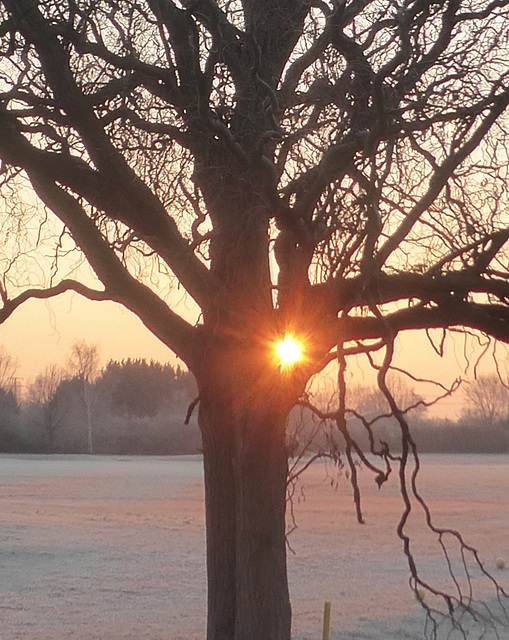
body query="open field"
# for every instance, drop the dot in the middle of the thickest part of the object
(110, 548)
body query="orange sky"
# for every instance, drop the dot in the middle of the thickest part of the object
(42, 333)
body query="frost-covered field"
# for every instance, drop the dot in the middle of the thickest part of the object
(112, 548)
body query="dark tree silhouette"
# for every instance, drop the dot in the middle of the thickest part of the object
(332, 169)
(42, 393)
(140, 388)
(9, 433)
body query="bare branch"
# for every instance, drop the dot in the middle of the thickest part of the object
(10, 305)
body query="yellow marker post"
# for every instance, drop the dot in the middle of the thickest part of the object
(326, 620)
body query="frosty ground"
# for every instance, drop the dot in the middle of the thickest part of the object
(96, 548)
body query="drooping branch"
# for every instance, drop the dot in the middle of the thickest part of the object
(461, 606)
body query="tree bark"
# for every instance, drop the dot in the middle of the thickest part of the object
(245, 464)
(220, 524)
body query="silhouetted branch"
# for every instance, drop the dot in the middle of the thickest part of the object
(10, 305)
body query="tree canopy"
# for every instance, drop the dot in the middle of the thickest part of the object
(365, 140)
(332, 169)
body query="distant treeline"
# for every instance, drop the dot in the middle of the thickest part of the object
(140, 407)
(466, 435)
(130, 407)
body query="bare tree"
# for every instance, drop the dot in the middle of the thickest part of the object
(84, 365)
(369, 399)
(332, 170)
(487, 399)
(42, 391)
(8, 380)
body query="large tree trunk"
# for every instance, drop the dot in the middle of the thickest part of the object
(245, 487)
(244, 403)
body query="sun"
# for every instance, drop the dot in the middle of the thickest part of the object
(289, 351)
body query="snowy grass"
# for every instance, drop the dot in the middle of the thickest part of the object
(113, 548)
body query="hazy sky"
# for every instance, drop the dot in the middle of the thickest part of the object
(42, 333)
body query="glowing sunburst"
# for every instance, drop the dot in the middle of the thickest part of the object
(289, 352)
